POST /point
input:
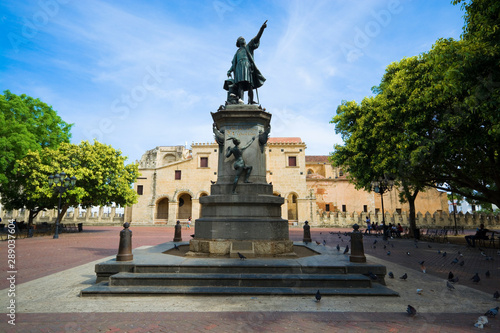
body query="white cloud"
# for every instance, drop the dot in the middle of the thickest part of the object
(93, 62)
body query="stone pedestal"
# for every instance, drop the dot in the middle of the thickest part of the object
(178, 232)
(250, 218)
(125, 247)
(307, 233)
(357, 248)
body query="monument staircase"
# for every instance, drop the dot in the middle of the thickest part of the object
(165, 274)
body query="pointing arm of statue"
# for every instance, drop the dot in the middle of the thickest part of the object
(259, 34)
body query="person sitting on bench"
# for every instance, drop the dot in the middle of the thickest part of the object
(480, 234)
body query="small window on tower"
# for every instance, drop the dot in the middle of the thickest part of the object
(203, 162)
(292, 161)
(177, 174)
(139, 189)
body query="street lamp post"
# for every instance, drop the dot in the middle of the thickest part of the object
(61, 184)
(454, 212)
(382, 186)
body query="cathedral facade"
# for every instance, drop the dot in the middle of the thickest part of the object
(173, 179)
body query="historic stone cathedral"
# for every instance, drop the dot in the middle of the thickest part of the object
(173, 179)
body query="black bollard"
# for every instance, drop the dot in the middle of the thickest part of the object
(125, 248)
(307, 233)
(178, 231)
(357, 248)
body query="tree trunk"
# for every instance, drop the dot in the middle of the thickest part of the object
(410, 198)
(413, 222)
(33, 215)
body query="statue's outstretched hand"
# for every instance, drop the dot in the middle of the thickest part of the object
(229, 73)
(264, 25)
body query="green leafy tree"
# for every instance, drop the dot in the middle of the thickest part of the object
(102, 176)
(26, 124)
(465, 95)
(383, 136)
(434, 120)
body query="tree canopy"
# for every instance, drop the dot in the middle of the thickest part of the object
(434, 119)
(100, 170)
(26, 124)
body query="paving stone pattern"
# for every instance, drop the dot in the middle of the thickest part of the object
(42, 256)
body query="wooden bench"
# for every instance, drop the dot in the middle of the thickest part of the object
(69, 227)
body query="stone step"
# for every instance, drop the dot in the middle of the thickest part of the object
(241, 268)
(241, 280)
(103, 289)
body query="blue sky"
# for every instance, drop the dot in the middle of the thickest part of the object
(141, 74)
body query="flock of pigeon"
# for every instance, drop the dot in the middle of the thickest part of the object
(452, 279)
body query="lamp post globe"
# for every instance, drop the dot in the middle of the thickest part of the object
(381, 186)
(61, 183)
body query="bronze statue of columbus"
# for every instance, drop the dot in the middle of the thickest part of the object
(246, 74)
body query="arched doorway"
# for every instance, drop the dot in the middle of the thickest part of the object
(185, 207)
(162, 209)
(292, 207)
(201, 206)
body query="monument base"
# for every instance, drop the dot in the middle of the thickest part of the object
(248, 248)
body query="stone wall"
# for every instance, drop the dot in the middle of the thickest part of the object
(76, 216)
(320, 219)
(423, 221)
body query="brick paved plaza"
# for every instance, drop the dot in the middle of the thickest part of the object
(50, 272)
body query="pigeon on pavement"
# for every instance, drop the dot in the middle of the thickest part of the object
(242, 257)
(411, 310)
(404, 276)
(391, 275)
(176, 247)
(476, 278)
(492, 312)
(338, 247)
(496, 295)
(449, 285)
(346, 249)
(318, 296)
(450, 275)
(481, 321)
